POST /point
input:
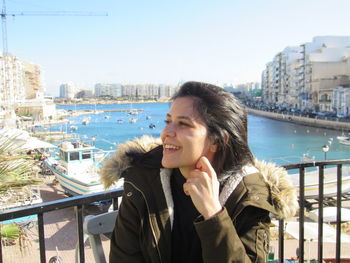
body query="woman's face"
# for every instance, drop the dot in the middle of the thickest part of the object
(185, 137)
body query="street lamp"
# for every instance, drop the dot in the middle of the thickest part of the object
(325, 149)
(93, 139)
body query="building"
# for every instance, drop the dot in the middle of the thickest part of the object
(12, 86)
(67, 90)
(112, 90)
(305, 76)
(32, 80)
(341, 100)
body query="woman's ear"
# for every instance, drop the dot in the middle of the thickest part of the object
(213, 147)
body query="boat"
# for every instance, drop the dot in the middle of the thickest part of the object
(151, 126)
(343, 137)
(148, 117)
(345, 141)
(76, 167)
(120, 121)
(133, 120)
(330, 182)
(133, 112)
(107, 116)
(73, 128)
(86, 121)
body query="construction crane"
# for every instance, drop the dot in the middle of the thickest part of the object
(5, 69)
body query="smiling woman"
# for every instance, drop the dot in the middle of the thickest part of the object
(196, 195)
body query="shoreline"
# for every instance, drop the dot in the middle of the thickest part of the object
(326, 124)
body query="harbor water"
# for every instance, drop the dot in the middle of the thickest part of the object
(270, 140)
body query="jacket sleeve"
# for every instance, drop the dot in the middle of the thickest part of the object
(224, 241)
(125, 245)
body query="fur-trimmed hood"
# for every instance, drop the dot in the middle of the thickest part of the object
(283, 194)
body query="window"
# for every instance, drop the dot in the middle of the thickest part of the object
(86, 155)
(74, 156)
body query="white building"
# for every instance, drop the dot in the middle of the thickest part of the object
(305, 76)
(341, 100)
(67, 90)
(113, 90)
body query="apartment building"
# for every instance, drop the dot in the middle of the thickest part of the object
(113, 90)
(32, 80)
(135, 91)
(305, 76)
(67, 90)
(12, 81)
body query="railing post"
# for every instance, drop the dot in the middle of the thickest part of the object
(41, 238)
(301, 212)
(338, 229)
(320, 212)
(0, 248)
(79, 216)
(281, 240)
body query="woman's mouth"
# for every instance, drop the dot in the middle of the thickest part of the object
(170, 148)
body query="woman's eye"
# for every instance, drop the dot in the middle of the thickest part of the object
(183, 123)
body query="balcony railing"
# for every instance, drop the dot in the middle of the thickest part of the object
(320, 202)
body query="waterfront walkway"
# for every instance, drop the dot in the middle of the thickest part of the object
(314, 122)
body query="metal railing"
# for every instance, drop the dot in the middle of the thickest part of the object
(320, 202)
(79, 202)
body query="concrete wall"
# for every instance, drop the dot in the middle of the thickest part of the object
(335, 125)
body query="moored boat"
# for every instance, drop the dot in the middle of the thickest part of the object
(345, 141)
(76, 168)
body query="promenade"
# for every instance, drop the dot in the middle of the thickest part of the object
(319, 123)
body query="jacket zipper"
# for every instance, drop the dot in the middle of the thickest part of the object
(149, 217)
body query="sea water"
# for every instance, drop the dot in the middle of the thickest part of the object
(281, 142)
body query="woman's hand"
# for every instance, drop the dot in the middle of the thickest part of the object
(202, 186)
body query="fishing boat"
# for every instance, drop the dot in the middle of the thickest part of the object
(76, 168)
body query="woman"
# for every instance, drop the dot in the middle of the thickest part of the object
(198, 195)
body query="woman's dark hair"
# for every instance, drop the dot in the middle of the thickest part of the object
(226, 120)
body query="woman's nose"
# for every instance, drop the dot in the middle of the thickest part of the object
(168, 131)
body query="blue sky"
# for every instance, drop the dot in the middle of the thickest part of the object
(163, 41)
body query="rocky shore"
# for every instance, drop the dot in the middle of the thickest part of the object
(328, 124)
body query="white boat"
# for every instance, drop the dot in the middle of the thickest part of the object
(345, 141)
(343, 137)
(76, 168)
(86, 121)
(133, 120)
(330, 182)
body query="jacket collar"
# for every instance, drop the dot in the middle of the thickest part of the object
(146, 152)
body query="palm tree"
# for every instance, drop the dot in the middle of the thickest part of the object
(15, 167)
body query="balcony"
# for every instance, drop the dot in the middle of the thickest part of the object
(320, 201)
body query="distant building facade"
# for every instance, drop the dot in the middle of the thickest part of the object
(67, 90)
(305, 76)
(113, 90)
(135, 91)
